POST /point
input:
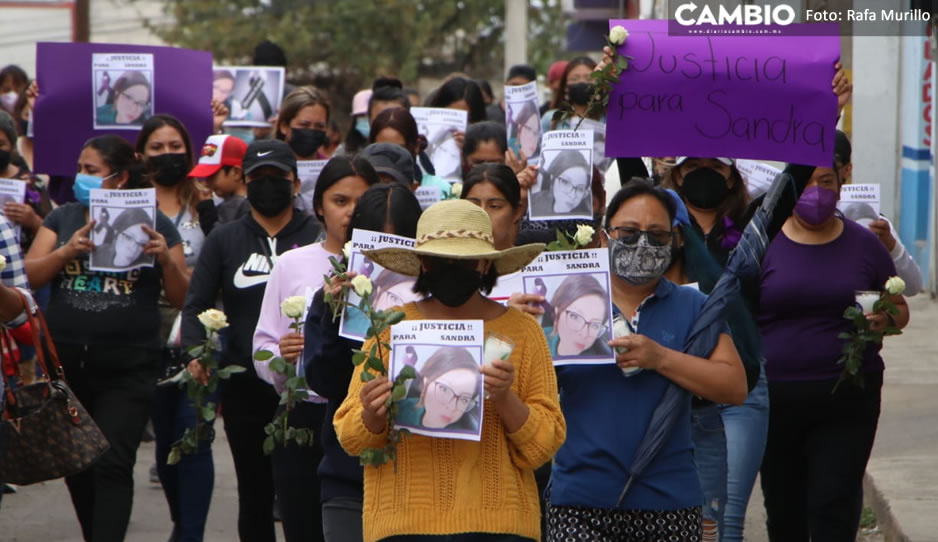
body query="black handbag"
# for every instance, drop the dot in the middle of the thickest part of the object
(45, 433)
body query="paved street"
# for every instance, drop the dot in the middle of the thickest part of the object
(903, 464)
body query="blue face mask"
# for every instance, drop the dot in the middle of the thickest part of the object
(84, 184)
(361, 124)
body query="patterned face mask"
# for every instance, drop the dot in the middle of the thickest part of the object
(639, 263)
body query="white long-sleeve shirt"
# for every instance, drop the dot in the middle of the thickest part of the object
(906, 267)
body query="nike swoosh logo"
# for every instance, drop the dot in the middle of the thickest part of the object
(262, 154)
(242, 281)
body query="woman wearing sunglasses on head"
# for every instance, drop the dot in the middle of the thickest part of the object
(608, 413)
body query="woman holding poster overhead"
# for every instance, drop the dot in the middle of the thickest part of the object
(106, 328)
(608, 410)
(461, 489)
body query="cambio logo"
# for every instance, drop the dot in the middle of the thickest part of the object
(740, 15)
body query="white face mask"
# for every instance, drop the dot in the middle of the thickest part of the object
(8, 100)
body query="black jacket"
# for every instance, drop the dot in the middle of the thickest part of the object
(236, 259)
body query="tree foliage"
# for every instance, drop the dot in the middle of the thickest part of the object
(351, 41)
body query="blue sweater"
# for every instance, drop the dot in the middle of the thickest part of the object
(327, 360)
(607, 415)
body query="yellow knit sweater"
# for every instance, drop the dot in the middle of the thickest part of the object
(449, 486)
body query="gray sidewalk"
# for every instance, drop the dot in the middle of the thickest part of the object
(903, 471)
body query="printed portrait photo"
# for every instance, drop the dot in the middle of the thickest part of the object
(390, 290)
(123, 98)
(119, 238)
(524, 128)
(445, 400)
(563, 190)
(577, 318)
(444, 152)
(252, 94)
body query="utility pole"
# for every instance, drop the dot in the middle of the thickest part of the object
(81, 21)
(516, 33)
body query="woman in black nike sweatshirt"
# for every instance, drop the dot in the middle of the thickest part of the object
(236, 260)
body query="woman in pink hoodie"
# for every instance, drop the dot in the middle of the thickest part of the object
(300, 272)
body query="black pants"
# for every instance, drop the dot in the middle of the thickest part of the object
(248, 404)
(116, 386)
(815, 457)
(295, 478)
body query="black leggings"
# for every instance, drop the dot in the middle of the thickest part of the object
(819, 444)
(248, 404)
(295, 478)
(116, 386)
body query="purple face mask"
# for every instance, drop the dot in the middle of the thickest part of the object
(816, 205)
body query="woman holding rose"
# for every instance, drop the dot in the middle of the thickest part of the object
(456, 490)
(819, 439)
(300, 272)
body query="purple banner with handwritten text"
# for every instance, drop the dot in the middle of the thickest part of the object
(760, 97)
(93, 89)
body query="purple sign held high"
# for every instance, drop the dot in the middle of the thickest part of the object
(760, 97)
(92, 89)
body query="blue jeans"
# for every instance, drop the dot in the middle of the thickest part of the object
(747, 428)
(710, 457)
(188, 484)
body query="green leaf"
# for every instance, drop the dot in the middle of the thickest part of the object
(851, 313)
(208, 412)
(365, 457)
(379, 458)
(844, 335)
(300, 439)
(269, 429)
(278, 365)
(226, 372)
(367, 377)
(284, 399)
(370, 333)
(376, 364)
(358, 357)
(297, 382)
(407, 372)
(398, 392)
(396, 317)
(291, 433)
(269, 445)
(263, 355)
(175, 456)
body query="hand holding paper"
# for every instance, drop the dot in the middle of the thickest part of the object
(156, 246)
(80, 243)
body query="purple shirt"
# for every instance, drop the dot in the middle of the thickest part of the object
(804, 292)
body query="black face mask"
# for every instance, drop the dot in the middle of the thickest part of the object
(704, 188)
(305, 142)
(270, 195)
(452, 284)
(580, 93)
(5, 157)
(168, 169)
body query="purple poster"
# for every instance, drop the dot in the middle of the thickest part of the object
(759, 97)
(92, 89)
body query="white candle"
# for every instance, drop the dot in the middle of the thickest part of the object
(497, 347)
(866, 299)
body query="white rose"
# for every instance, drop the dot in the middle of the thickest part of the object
(293, 307)
(584, 234)
(347, 251)
(213, 320)
(456, 190)
(618, 35)
(895, 286)
(362, 285)
(3, 262)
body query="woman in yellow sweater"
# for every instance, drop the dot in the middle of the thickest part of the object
(447, 489)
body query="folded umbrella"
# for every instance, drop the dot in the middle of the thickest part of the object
(744, 262)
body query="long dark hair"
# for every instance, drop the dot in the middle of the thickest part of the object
(460, 88)
(402, 122)
(119, 156)
(560, 99)
(386, 204)
(637, 186)
(501, 176)
(335, 170)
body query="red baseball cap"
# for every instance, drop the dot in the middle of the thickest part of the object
(218, 151)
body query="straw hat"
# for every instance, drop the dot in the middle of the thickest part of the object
(456, 229)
